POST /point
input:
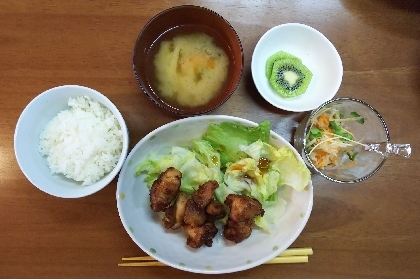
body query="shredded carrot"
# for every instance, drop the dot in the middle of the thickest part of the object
(323, 122)
(322, 153)
(320, 163)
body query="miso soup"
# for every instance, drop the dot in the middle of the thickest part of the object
(190, 67)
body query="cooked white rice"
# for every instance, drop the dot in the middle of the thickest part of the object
(83, 142)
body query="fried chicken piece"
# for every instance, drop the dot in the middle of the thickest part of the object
(238, 231)
(200, 235)
(204, 194)
(174, 214)
(164, 189)
(240, 222)
(243, 208)
(215, 211)
(169, 220)
(194, 215)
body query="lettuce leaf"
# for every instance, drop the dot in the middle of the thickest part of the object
(273, 210)
(194, 173)
(206, 154)
(260, 149)
(244, 177)
(226, 139)
(293, 173)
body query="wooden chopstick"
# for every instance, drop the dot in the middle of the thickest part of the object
(291, 255)
(151, 263)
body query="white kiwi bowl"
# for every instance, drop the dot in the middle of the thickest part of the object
(316, 52)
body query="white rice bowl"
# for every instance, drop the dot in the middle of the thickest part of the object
(35, 166)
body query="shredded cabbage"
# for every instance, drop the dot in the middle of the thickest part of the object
(328, 138)
(193, 172)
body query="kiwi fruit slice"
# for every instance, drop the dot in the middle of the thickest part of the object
(277, 56)
(290, 77)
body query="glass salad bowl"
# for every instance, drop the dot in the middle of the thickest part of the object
(346, 141)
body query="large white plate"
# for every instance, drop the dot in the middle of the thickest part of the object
(167, 246)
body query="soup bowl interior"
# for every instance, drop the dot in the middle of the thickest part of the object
(198, 19)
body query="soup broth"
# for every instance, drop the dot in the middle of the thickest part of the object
(190, 66)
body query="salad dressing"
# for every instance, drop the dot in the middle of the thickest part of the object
(263, 164)
(215, 160)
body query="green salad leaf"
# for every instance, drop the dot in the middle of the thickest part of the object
(339, 131)
(351, 155)
(293, 173)
(206, 154)
(246, 177)
(273, 210)
(194, 173)
(354, 114)
(226, 138)
(314, 133)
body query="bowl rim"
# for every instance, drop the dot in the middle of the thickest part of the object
(325, 40)
(156, 98)
(105, 180)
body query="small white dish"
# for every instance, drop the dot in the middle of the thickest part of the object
(316, 52)
(32, 122)
(146, 230)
